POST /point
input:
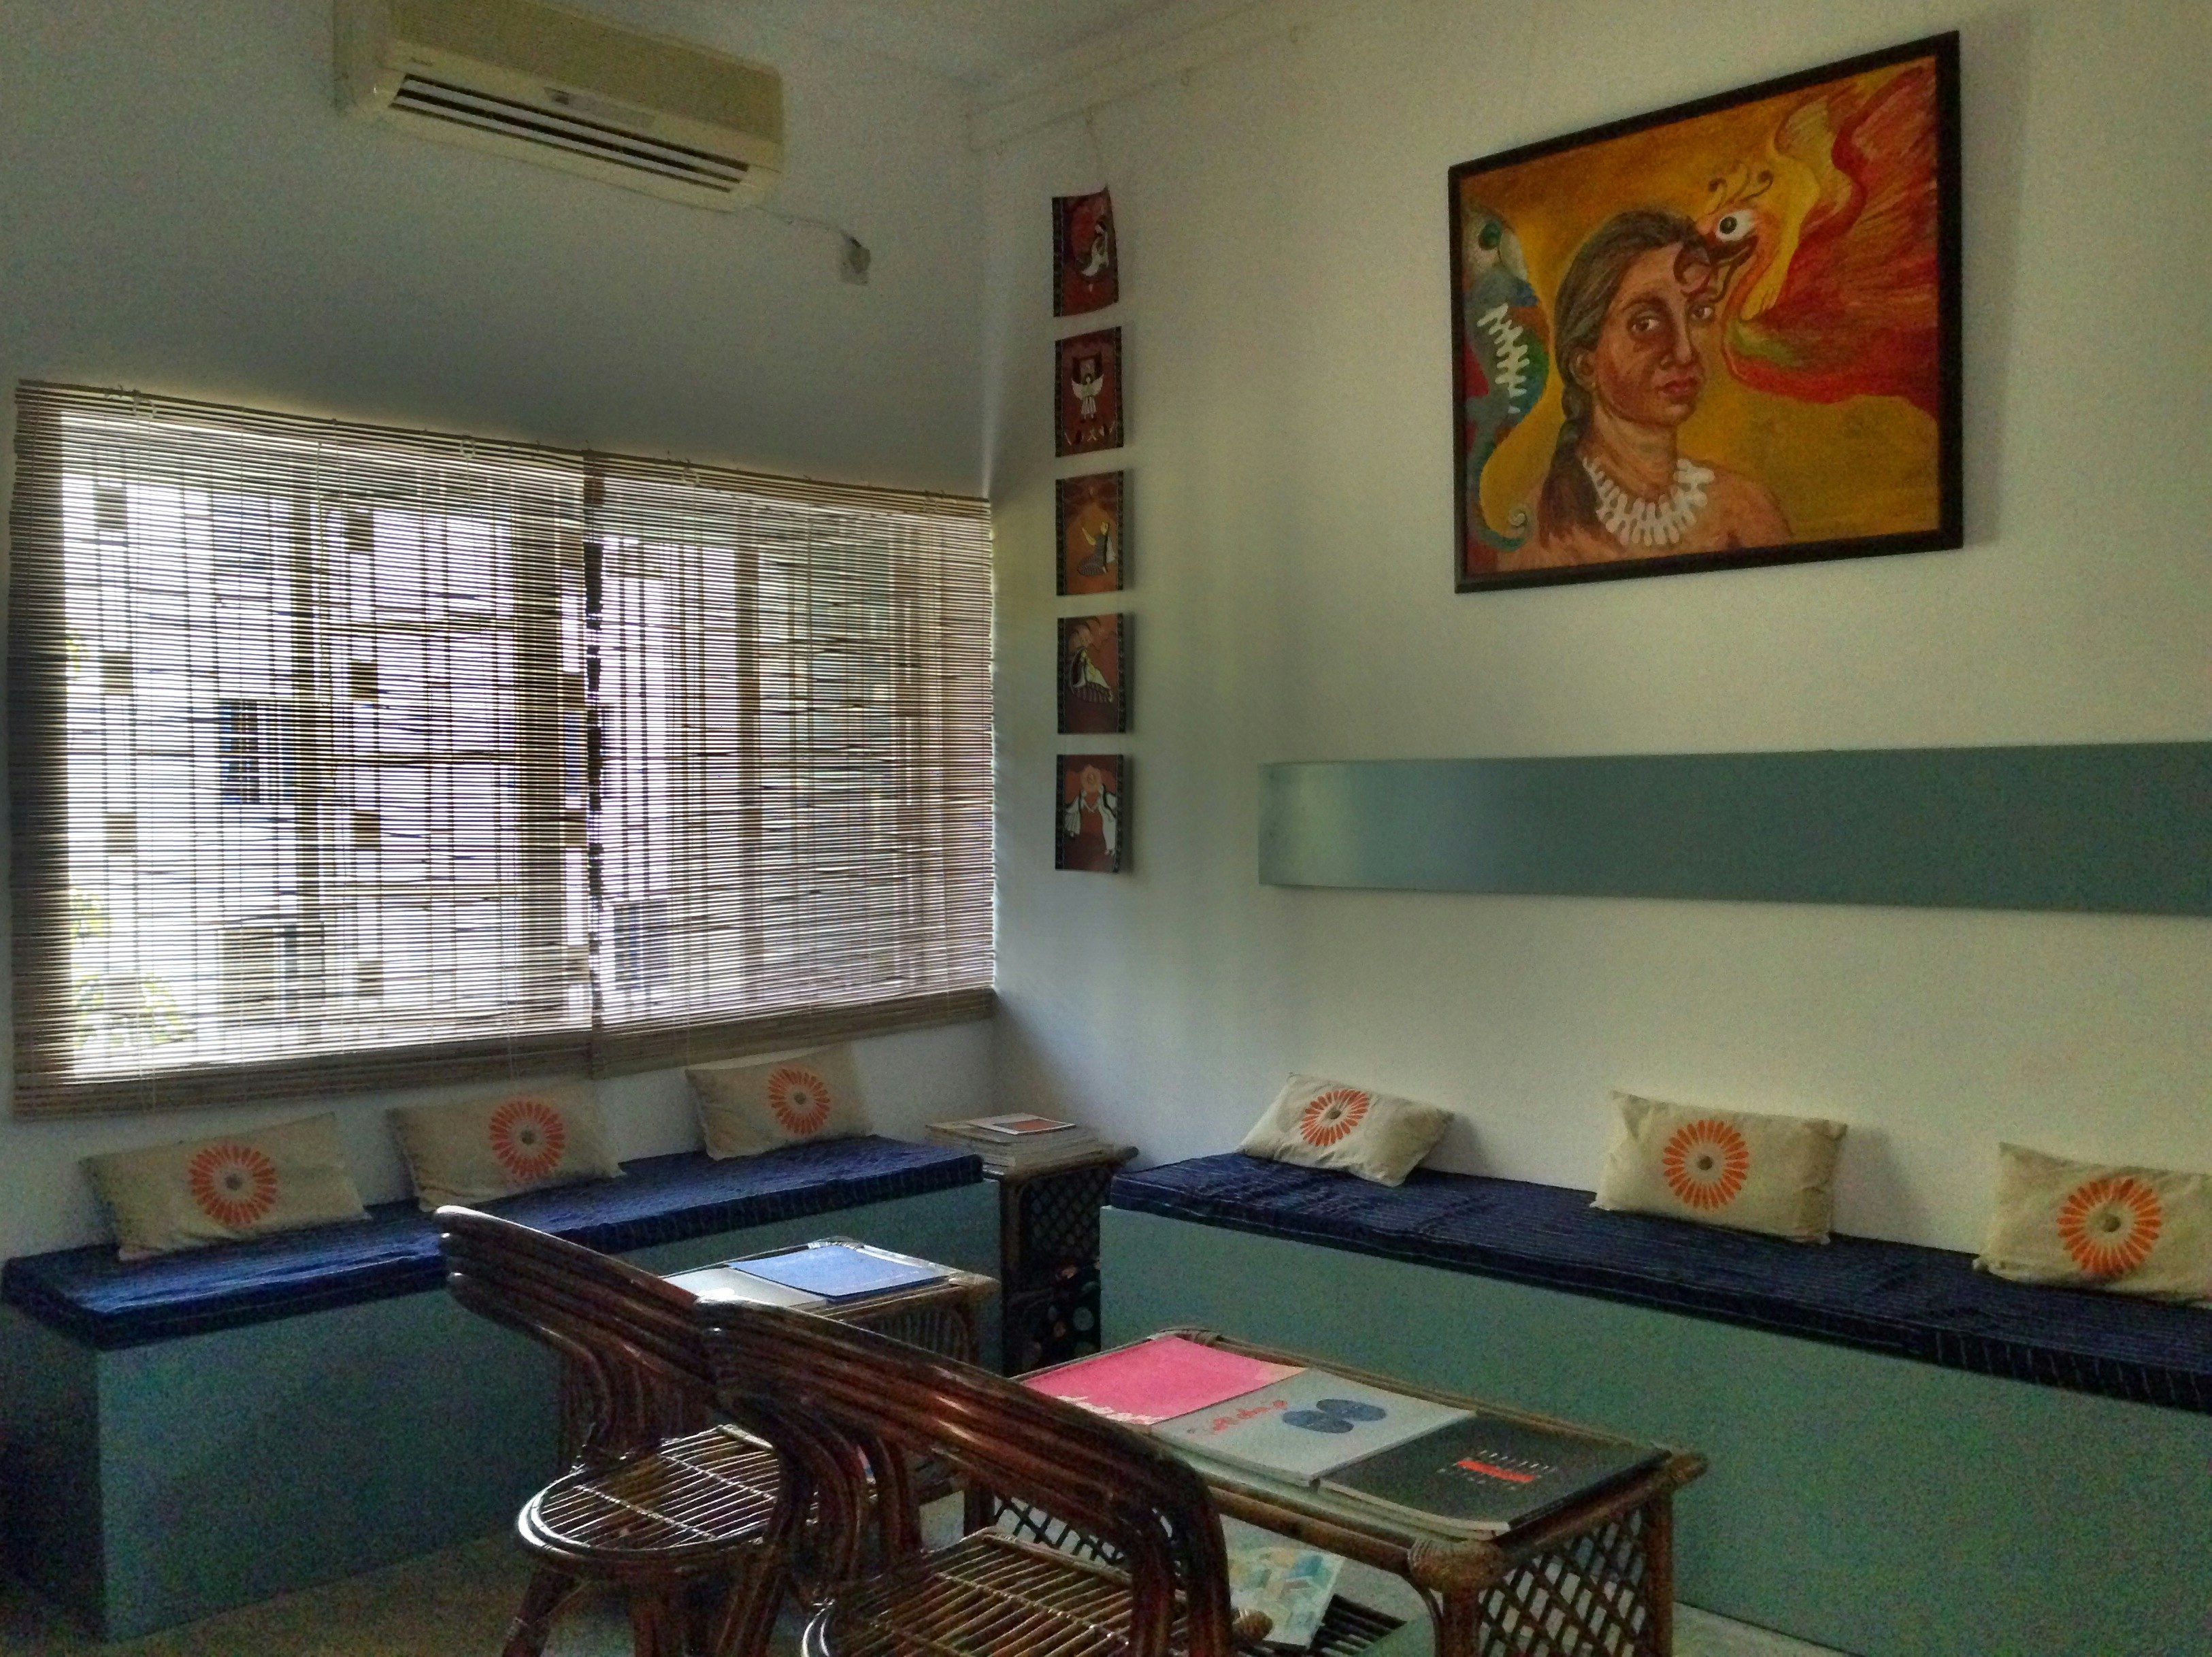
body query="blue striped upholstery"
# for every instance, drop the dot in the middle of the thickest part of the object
(1922, 1303)
(87, 1293)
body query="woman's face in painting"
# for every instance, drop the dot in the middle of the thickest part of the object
(1648, 365)
(1093, 788)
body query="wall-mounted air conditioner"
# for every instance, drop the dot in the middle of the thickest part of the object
(554, 85)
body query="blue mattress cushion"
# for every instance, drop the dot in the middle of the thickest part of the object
(90, 1296)
(1924, 1303)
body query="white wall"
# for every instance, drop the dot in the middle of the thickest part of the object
(1282, 217)
(183, 209)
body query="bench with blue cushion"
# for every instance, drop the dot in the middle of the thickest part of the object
(209, 1428)
(1908, 1456)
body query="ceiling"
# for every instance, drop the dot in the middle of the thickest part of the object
(978, 43)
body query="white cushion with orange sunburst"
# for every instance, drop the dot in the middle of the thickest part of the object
(2134, 1230)
(497, 1143)
(760, 1104)
(1737, 1168)
(254, 1184)
(1333, 1124)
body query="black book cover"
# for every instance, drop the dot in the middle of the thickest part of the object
(1484, 1477)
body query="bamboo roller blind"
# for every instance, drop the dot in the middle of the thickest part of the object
(343, 756)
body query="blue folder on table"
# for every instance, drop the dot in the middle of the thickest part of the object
(838, 1271)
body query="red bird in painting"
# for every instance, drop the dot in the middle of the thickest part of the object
(1829, 241)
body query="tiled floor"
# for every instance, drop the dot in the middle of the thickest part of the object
(454, 1604)
(457, 1603)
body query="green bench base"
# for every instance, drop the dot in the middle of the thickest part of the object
(154, 1484)
(1884, 1507)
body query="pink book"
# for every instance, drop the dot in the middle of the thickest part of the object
(1154, 1379)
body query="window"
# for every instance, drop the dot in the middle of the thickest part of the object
(346, 757)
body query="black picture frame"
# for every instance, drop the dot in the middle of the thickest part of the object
(1090, 527)
(1094, 674)
(1086, 275)
(1916, 367)
(1089, 411)
(1094, 841)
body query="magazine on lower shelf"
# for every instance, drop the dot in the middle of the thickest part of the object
(1481, 1476)
(1288, 1583)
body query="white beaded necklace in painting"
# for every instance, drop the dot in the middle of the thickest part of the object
(1634, 521)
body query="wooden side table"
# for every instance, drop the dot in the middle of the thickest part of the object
(944, 1317)
(1048, 1256)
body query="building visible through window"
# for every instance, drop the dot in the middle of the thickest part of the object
(362, 755)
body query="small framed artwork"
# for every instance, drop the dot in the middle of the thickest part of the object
(1090, 807)
(1086, 274)
(1721, 335)
(1094, 674)
(1094, 534)
(1088, 401)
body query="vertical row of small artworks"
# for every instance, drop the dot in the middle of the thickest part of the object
(1090, 791)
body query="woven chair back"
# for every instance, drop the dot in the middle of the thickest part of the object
(865, 1407)
(630, 1337)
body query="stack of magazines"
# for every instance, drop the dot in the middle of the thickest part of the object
(1018, 1141)
(1435, 1466)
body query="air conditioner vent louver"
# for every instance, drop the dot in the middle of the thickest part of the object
(529, 123)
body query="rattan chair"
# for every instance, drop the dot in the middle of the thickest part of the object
(856, 1407)
(680, 1524)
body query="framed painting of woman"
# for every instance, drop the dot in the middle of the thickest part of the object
(1721, 335)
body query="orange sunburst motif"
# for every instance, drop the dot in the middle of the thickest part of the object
(1704, 1164)
(1333, 1115)
(2109, 1225)
(527, 1136)
(234, 1184)
(799, 1098)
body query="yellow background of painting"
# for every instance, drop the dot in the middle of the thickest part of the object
(1867, 465)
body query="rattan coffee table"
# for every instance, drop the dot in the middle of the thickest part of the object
(1595, 1579)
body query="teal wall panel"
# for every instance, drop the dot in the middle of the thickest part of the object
(1872, 1504)
(241, 1463)
(50, 1460)
(2121, 827)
